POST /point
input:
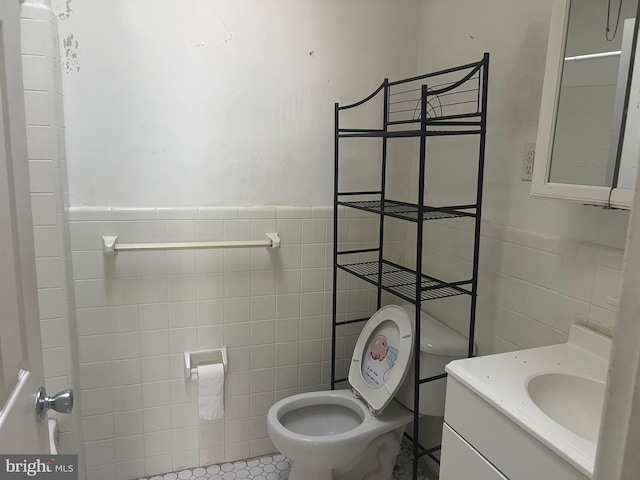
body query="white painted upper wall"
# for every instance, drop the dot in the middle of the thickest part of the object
(231, 103)
(516, 35)
(221, 103)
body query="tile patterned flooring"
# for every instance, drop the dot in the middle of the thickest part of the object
(404, 466)
(275, 467)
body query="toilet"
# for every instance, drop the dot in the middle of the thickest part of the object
(356, 434)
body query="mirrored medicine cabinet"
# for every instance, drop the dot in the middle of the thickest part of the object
(588, 143)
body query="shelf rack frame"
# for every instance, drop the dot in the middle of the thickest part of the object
(466, 115)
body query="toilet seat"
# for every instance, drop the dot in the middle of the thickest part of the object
(381, 357)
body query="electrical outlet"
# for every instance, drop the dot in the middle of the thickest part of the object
(528, 158)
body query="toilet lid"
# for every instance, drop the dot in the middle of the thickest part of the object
(381, 357)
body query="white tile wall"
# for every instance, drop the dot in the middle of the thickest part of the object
(49, 200)
(531, 288)
(137, 312)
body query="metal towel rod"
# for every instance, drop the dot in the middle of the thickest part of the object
(110, 244)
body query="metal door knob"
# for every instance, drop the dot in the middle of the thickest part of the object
(61, 402)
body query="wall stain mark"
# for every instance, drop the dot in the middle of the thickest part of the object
(62, 9)
(70, 61)
(227, 33)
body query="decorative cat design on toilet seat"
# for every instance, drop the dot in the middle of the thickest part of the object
(378, 363)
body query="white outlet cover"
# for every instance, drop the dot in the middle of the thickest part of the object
(528, 158)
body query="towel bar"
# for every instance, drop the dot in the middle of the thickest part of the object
(110, 244)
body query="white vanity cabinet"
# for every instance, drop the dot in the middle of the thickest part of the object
(481, 443)
(460, 460)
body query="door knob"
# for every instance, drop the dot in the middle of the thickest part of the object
(61, 402)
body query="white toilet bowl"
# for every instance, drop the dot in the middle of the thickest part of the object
(327, 434)
(334, 435)
(342, 435)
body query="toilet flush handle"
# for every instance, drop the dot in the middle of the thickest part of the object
(61, 402)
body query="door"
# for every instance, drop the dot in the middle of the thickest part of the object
(21, 368)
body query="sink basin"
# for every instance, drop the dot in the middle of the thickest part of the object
(572, 401)
(554, 394)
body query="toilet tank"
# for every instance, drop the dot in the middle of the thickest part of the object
(439, 345)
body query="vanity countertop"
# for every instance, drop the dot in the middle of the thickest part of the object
(502, 379)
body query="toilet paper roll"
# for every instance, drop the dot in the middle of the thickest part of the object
(211, 391)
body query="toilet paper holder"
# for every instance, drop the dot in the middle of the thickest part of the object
(203, 357)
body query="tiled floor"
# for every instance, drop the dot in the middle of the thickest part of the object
(276, 467)
(404, 466)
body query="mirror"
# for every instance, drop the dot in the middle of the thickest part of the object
(583, 150)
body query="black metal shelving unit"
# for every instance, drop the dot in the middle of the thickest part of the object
(448, 102)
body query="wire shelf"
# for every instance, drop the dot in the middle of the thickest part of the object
(349, 133)
(401, 281)
(408, 211)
